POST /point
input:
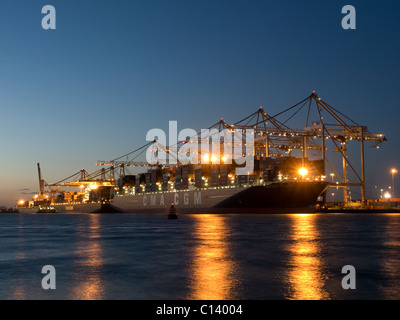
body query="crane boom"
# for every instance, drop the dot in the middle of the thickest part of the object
(41, 182)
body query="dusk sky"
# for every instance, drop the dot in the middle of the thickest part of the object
(112, 70)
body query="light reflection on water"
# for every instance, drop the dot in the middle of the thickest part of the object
(200, 256)
(212, 273)
(306, 274)
(89, 265)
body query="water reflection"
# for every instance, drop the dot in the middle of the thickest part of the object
(213, 270)
(305, 276)
(18, 292)
(391, 259)
(89, 253)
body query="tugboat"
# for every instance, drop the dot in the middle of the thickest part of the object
(172, 213)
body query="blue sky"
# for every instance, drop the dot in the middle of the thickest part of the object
(112, 70)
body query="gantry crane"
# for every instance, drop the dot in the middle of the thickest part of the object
(325, 128)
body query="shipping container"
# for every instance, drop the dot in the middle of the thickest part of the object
(243, 179)
(198, 182)
(223, 175)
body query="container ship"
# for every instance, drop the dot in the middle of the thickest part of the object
(284, 177)
(275, 186)
(285, 185)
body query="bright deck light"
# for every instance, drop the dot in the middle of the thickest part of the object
(303, 171)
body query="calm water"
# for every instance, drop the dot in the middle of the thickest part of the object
(117, 256)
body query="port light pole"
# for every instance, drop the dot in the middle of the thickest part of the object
(393, 171)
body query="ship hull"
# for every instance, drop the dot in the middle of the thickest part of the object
(64, 208)
(291, 197)
(274, 198)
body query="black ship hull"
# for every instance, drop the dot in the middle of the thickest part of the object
(278, 197)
